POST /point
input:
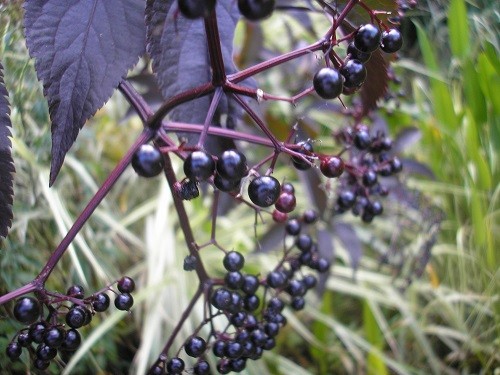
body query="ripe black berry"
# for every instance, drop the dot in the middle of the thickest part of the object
(76, 291)
(100, 302)
(391, 41)
(124, 301)
(306, 148)
(356, 54)
(199, 166)
(196, 8)
(293, 227)
(296, 288)
(221, 299)
(24, 339)
(331, 166)
(27, 310)
(276, 279)
(264, 191)
(147, 161)
(72, 340)
(354, 73)
(233, 261)
(54, 337)
(126, 284)
(45, 352)
(233, 350)
(219, 348)
(232, 165)
(304, 242)
(76, 317)
(237, 365)
(298, 303)
(396, 165)
(226, 185)
(369, 178)
(251, 302)
(13, 350)
(36, 331)
(201, 368)
(286, 202)
(375, 208)
(367, 38)
(195, 346)
(346, 199)
(250, 284)
(362, 139)
(40, 364)
(223, 366)
(255, 10)
(309, 281)
(328, 83)
(234, 280)
(175, 366)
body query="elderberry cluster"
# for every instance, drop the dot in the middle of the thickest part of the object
(369, 160)
(57, 333)
(251, 305)
(348, 76)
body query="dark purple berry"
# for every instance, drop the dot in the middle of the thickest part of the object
(147, 161)
(223, 366)
(396, 165)
(124, 301)
(195, 346)
(233, 350)
(234, 280)
(72, 340)
(54, 337)
(256, 10)
(196, 8)
(310, 216)
(346, 199)
(250, 284)
(362, 139)
(356, 54)
(296, 288)
(275, 304)
(45, 352)
(251, 302)
(188, 190)
(13, 350)
(287, 187)
(375, 208)
(298, 303)
(367, 38)
(328, 83)
(354, 73)
(201, 368)
(24, 339)
(264, 191)
(322, 265)
(40, 364)
(175, 365)
(305, 148)
(199, 165)
(233, 261)
(391, 41)
(27, 310)
(76, 317)
(331, 166)
(286, 202)
(156, 370)
(226, 186)
(100, 302)
(232, 165)
(221, 299)
(36, 332)
(304, 242)
(293, 227)
(276, 279)
(126, 284)
(309, 281)
(219, 348)
(237, 365)
(369, 178)
(238, 319)
(76, 291)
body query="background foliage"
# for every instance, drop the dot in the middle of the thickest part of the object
(374, 320)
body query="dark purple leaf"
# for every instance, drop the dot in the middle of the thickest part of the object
(411, 166)
(377, 81)
(82, 51)
(347, 235)
(178, 48)
(327, 251)
(405, 138)
(6, 162)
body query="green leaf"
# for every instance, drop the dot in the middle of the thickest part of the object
(474, 97)
(374, 336)
(458, 26)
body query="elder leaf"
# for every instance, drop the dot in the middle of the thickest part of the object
(178, 48)
(82, 50)
(6, 161)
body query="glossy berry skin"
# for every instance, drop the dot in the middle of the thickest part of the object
(45, 352)
(126, 285)
(293, 227)
(331, 166)
(233, 261)
(221, 299)
(354, 73)
(72, 340)
(298, 303)
(264, 191)
(195, 346)
(356, 54)
(346, 199)
(24, 339)
(367, 38)
(40, 364)
(286, 202)
(306, 148)
(13, 350)
(328, 83)
(234, 280)
(226, 185)
(175, 366)
(232, 165)
(256, 10)
(147, 161)
(36, 331)
(275, 279)
(201, 368)
(362, 139)
(309, 216)
(27, 310)
(54, 337)
(76, 291)
(76, 317)
(250, 284)
(193, 9)
(124, 301)
(391, 41)
(101, 302)
(199, 166)
(369, 178)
